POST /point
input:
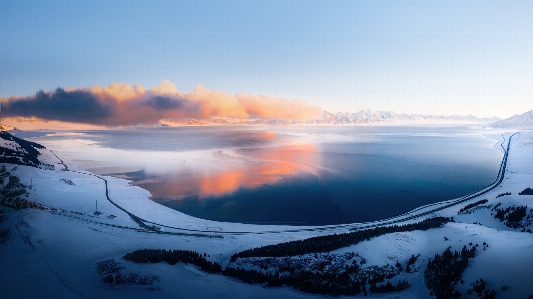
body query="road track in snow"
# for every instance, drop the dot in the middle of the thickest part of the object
(426, 210)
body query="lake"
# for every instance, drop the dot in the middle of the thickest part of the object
(290, 175)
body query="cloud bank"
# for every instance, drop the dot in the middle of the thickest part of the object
(120, 104)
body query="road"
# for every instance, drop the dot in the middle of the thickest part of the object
(426, 210)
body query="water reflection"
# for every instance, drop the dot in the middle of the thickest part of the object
(290, 175)
(255, 167)
(269, 185)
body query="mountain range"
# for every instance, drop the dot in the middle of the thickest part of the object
(363, 117)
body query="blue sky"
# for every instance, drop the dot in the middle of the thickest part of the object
(430, 56)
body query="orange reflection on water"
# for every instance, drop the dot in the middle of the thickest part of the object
(291, 153)
(273, 164)
(277, 169)
(267, 135)
(221, 183)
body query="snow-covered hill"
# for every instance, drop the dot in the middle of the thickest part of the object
(19, 151)
(58, 249)
(524, 120)
(363, 117)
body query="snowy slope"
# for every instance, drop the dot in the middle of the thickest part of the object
(524, 120)
(56, 251)
(19, 151)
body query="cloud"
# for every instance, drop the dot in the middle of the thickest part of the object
(71, 106)
(166, 103)
(120, 104)
(217, 103)
(272, 107)
(165, 87)
(117, 91)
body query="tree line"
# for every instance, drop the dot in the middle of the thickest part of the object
(347, 283)
(503, 194)
(469, 206)
(336, 241)
(173, 257)
(29, 157)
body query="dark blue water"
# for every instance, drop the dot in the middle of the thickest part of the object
(292, 175)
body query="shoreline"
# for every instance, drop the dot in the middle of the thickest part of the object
(406, 217)
(61, 248)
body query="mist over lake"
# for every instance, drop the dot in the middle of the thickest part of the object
(290, 175)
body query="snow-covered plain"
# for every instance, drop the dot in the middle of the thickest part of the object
(54, 253)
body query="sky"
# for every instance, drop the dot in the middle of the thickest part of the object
(428, 56)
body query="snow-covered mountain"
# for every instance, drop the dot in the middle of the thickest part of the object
(14, 150)
(517, 121)
(363, 117)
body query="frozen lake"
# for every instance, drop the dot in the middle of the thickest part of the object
(290, 175)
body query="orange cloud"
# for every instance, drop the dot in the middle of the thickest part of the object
(272, 107)
(120, 104)
(165, 87)
(216, 103)
(118, 91)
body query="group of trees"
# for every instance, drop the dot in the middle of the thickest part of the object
(314, 282)
(389, 287)
(173, 257)
(480, 288)
(513, 216)
(411, 262)
(20, 204)
(129, 279)
(469, 206)
(527, 191)
(27, 157)
(13, 187)
(112, 274)
(336, 241)
(12, 191)
(445, 271)
(28, 146)
(503, 194)
(350, 281)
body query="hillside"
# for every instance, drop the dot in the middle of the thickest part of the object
(524, 121)
(66, 246)
(18, 151)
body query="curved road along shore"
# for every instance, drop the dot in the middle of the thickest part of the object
(153, 227)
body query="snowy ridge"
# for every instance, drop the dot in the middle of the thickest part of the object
(19, 151)
(363, 117)
(524, 120)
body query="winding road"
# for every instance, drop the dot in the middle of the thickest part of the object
(154, 227)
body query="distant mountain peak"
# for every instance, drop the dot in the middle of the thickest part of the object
(362, 117)
(524, 120)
